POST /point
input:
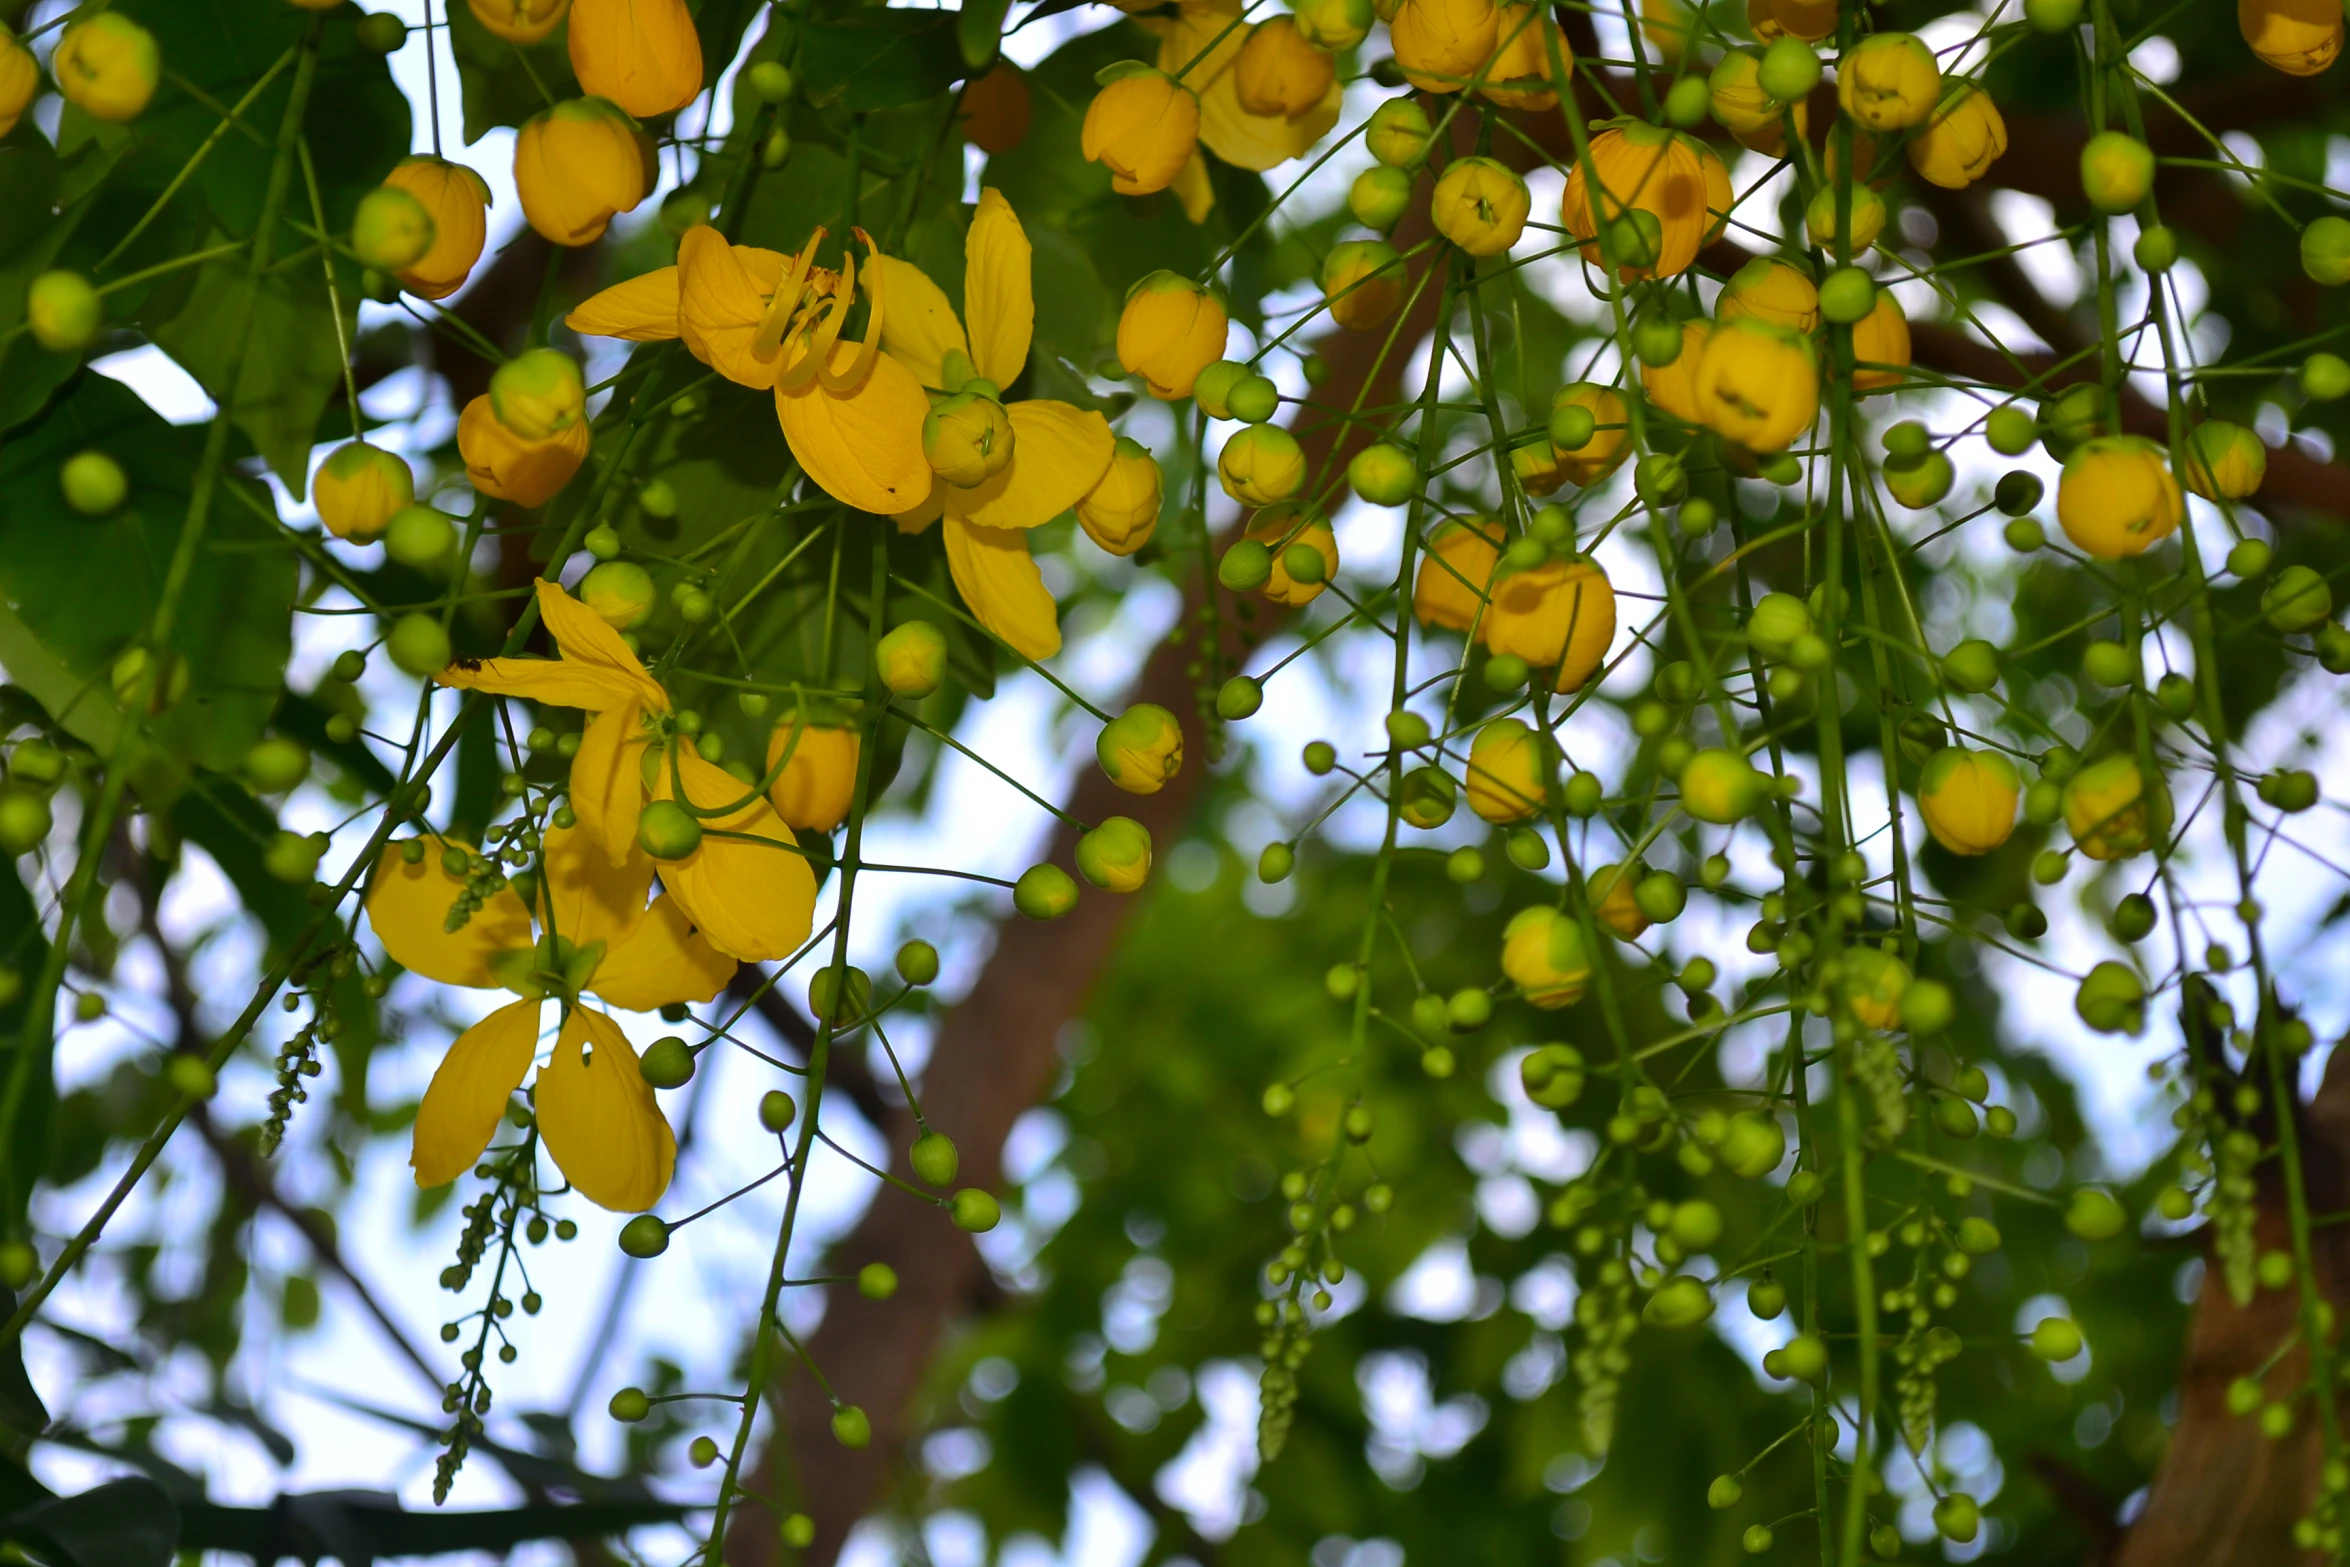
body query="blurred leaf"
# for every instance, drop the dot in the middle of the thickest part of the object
(869, 59)
(505, 83)
(292, 358)
(363, 1525)
(123, 1523)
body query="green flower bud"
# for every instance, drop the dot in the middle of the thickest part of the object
(877, 1281)
(538, 394)
(777, 1111)
(2157, 249)
(913, 659)
(918, 962)
(1957, 1517)
(2010, 430)
(2325, 378)
(667, 831)
(64, 312)
(1383, 474)
(2112, 999)
(621, 593)
(1680, 1302)
(1399, 133)
(630, 1405)
(273, 766)
(2093, 1215)
(974, 1211)
(1241, 696)
(2055, 1339)
(1044, 892)
(391, 231)
(2298, 600)
(935, 1158)
(1379, 197)
(1790, 69)
(1848, 296)
(2117, 170)
(1214, 385)
(1116, 856)
(94, 483)
(851, 1427)
(1141, 748)
(644, 1236)
(1246, 566)
(419, 536)
(1253, 399)
(668, 1062)
(838, 998)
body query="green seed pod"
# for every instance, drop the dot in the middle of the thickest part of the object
(917, 962)
(1467, 1011)
(418, 645)
(2018, 492)
(94, 484)
(2055, 1339)
(2094, 1215)
(2112, 999)
(850, 1426)
(1661, 896)
(64, 312)
(1526, 850)
(1680, 1302)
(667, 831)
(935, 1158)
(644, 1236)
(630, 1405)
(1240, 697)
(771, 80)
(1044, 892)
(668, 1062)
(974, 1211)
(913, 659)
(2110, 664)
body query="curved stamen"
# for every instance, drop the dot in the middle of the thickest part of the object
(849, 380)
(767, 342)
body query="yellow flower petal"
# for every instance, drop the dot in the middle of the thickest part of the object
(999, 580)
(751, 900)
(1193, 188)
(409, 908)
(607, 781)
(664, 960)
(722, 294)
(598, 1118)
(998, 298)
(1059, 454)
(1245, 140)
(916, 519)
(589, 897)
(865, 449)
(641, 310)
(919, 327)
(469, 1091)
(586, 638)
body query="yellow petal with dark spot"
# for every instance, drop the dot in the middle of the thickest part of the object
(864, 449)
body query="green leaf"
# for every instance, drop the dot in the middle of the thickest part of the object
(21, 1408)
(870, 59)
(506, 83)
(86, 587)
(292, 360)
(980, 30)
(123, 1523)
(43, 217)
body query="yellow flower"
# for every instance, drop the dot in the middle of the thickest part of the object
(1170, 330)
(2117, 497)
(1261, 464)
(996, 109)
(1144, 126)
(594, 936)
(1673, 387)
(456, 198)
(1754, 117)
(1508, 762)
(579, 165)
(1278, 529)
(1674, 178)
(1542, 951)
(852, 414)
(1968, 799)
(1122, 511)
(2298, 37)
(1809, 20)
(503, 464)
(1442, 44)
(519, 21)
(1519, 74)
(106, 65)
(1279, 71)
(1364, 281)
(1881, 338)
(967, 439)
(819, 782)
(1559, 613)
(1771, 290)
(1480, 205)
(1197, 37)
(1059, 453)
(742, 885)
(1611, 440)
(358, 488)
(2108, 811)
(1966, 136)
(643, 55)
(1888, 81)
(1757, 384)
(1456, 572)
(2224, 460)
(20, 78)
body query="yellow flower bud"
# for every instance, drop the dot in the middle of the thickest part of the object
(1509, 765)
(107, 65)
(519, 21)
(2118, 497)
(2224, 460)
(20, 78)
(1261, 464)
(967, 439)
(391, 230)
(1771, 290)
(620, 593)
(996, 109)
(1888, 81)
(1542, 951)
(1758, 384)
(1441, 44)
(1170, 330)
(1364, 281)
(1673, 387)
(1480, 205)
(2298, 37)
(818, 784)
(643, 55)
(1398, 134)
(539, 393)
(1968, 799)
(1562, 613)
(1116, 856)
(1611, 440)
(1665, 25)
(1881, 338)
(1120, 512)
(1456, 572)
(1334, 24)
(1675, 179)
(1613, 903)
(1868, 218)
(1278, 529)
(1873, 983)
(1280, 71)
(1143, 126)
(359, 487)
(1519, 74)
(1964, 138)
(579, 165)
(456, 199)
(1809, 20)
(1141, 748)
(2110, 812)
(511, 468)
(1753, 116)
(2117, 170)
(912, 659)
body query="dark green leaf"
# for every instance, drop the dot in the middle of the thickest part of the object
(123, 1523)
(506, 83)
(880, 59)
(291, 356)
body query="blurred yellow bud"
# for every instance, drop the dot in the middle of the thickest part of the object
(1261, 464)
(2109, 811)
(1141, 748)
(912, 659)
(511, 467)
(1868, 219)
(2117, 170)
(1456, 573)
(20, 78)
(643, 55)
(620, 593)
(519, 21)
(1611, 440)
(1519, 76)
(1121, 512)
(1170, 330)
(1280, 71)
(1809, 20)
(2118, 497)
(1480, 205)
(107, 66)
(1543, 952)
(1143, 126)
(1334, 24)
(1758, 384)
(818, 784)
(1509, 765)
(1364, 281)
(359, 487)
(579, 165)
(2224, 460)
(1881, 338)
(1279, 530)
(539, 393)
(1116, 856)
(1888, 81)
(1771, 290)
(2298, 37)
(392, 230)
(1964, 138)
(1441, 44)
(1673, 387)
(1968, 799)
(1675, 179)
(1561, 613)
